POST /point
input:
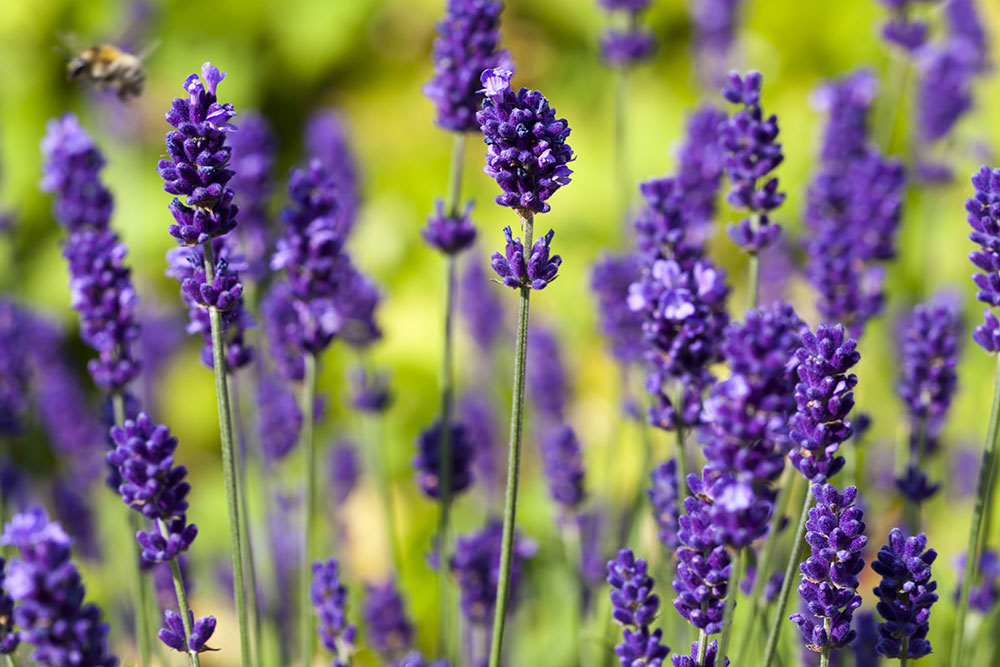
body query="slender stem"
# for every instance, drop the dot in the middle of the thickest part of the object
(753, 278)
(8, 660)
(763, 570)
(786, 586)
(513, 463)
(702, 649)
(732, 589)
(228, 462)
(309, 473)
(181, 592)
(911, 508)
(444, 458)
(245, 542)
(904, 651)
(379, 465)
(143, 623)
(455, 173)
(987, 472)
(682, 464)
(574, 561)
(824, 656)
(629, 524)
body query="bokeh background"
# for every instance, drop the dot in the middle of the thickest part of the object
(369, 59)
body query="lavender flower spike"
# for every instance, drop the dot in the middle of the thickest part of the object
(984, 218)
(450, 234)
(664, 497)
(428, 459)
(526, 149)
(906, 594)
(9, 638)
(49, 598)
(538, 271)
(389, 630)
(824, 400)
(329, 599)
(751, 153)
(830, 576)
(711, 657)
(635, 606)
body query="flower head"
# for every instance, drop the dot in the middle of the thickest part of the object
(621, 326)
(428, 459)
(905, 594)
(465, 46)
(635, 606)
(450, 233)
(665, 499)
(389, 630)
(172, 633)
(253, 156)
(9, 638)
(711, 657)
(326, 140)
(563, 464)
(534, 272)
(526, 149)
(546, 373)
(624, 48)
(371, 391)
(329, 599)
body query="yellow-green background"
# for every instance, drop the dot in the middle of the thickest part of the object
(369, 58)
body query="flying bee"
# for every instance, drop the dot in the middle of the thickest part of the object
(108, 67)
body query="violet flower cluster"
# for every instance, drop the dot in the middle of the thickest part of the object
(480, 306)
(634, 606)
(829, 588)
(15, 367)
(172, 632)
(390, 632)
(450, 232)
(466, 45)
(9, 638)
(562, 462)
(905, 593)
(929, 356)
(711, 657)
(326, 140)
(902, 29)
(751, 153)
(526, 149)
(253, 155)
(279, 419)
(329, 600)
(370, 391)
(984, 218)
(344, 470)
(984, 596)
(198, 168)
(622, 327)
(853, 208)
(428, 459)
(629, 46)
(546, 374)
(50, 607)
(533, 272)
(100, 282)
(475, 564)
(824, 398)
(665, 500)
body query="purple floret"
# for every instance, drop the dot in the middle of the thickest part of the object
(534, 272)
(906, 594)
(634, 606)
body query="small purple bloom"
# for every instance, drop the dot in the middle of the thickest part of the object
(711, 657)
(344, 470)
(534, 272)
(635, 606)
(326, 140)
(905, 594)
(622, 327)
(546, 374)
(481, 306)
(526, 149)
(9, 638)
(253, 156)
(172, 632)
(389, 630)
(329, 599)
(370, 390)
(279, 419)
(983, 597)
(625, 48)
(428, 459)
(562, 461)
(664, 497)
(451, 232)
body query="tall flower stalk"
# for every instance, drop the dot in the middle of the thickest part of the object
(101, 286)
(197, 169)
(527, 154)
(984, 218)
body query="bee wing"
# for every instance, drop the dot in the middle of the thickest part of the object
(148, 50)
(69, 44)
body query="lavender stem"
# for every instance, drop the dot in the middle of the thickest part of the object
(228, 460)
(824, 657)
(682, 465)
(373, 436)
(764, 562)
(513, 458)
(182, 603)
(308, 471)
(984, 487)
(8, 660)
(143, 626)
(786, 585)
(753, 278)
(732, 589)
(702, 648)
(904, 651)
(447, 395)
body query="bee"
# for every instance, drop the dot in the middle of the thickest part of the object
(108, 67)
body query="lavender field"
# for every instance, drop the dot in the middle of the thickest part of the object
(426, 333)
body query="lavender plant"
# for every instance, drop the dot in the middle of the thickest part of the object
(197, 168)
(635, 607)
(329, 598)
(529, 165)
(905, 594)
(389, 630)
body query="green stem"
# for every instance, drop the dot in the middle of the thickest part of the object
(228, 462)
(702, 649)
(753, 278)
(630, 523)
(904, 651)
(824, 656)
(245, 544)
(912, 509)
(786, 586)
(309, 473)
(729, 610)
(573, 555)
(682, 464)
(621, 81)
(379, 465)
(143, 623)
(987, 472)
(182, 602)
(763, 570)
(513, 461)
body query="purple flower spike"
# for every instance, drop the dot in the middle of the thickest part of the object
(172, 632)
(635, 606)
(480, 305)
(100, 282)
(344, 470)
(983, 597)
(526, 149)
(450, 233)
(9, 638)
(901, 28)
(49, 597)
(465, 46)
(625, 48)
(326, 140)
(535, 273)
(984, 218)
(711, 657)
(198, 168)
(836, 533)
(824, 400)
(371, 392)
(417, 659)
(547, 381)
(428, 461)
(389, 630)
(153, 486)
(329, 599)
(475, 564)
(906, 594)
(563, 464)
(621, 326)
(664, 498)
(278, 419)
(254, 148)
(751, 153)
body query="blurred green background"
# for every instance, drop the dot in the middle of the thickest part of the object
(369, 58)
